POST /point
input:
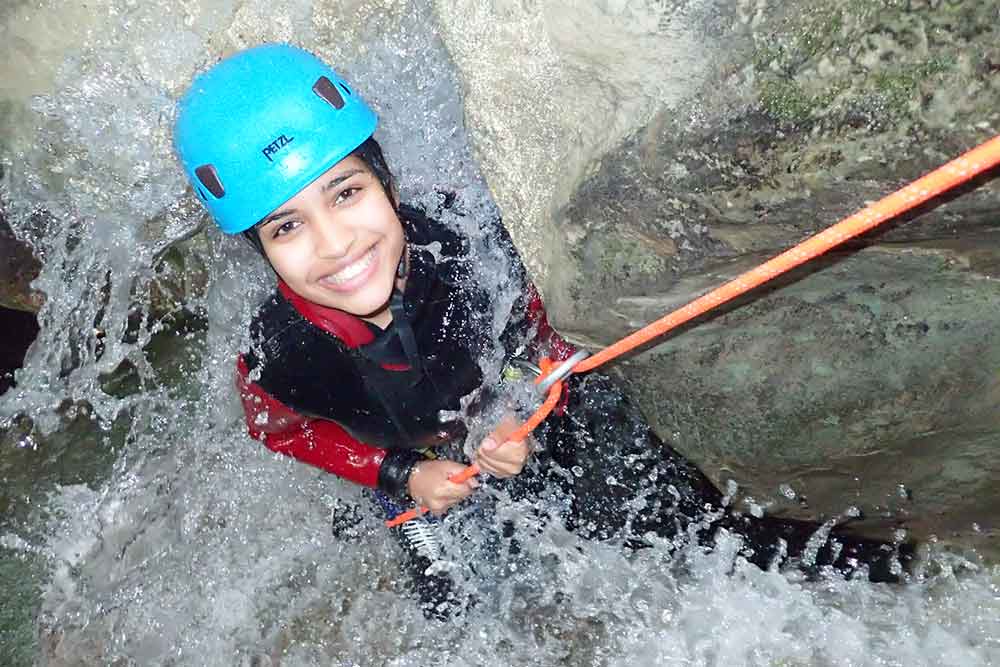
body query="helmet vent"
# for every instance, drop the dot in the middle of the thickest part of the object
(210, 179)
(343, 86)
(325, 89)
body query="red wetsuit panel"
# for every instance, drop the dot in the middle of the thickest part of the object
(559, 349)
(318, 442)
(546, 336)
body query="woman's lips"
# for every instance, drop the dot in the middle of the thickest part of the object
(354, 275)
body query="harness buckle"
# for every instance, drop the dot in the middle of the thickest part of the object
(523, 364)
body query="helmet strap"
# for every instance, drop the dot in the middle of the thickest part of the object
(403, 268)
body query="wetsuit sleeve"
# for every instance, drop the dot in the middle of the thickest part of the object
(320, 442)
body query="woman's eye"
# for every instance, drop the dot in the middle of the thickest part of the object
(285, 228)
(346, 194)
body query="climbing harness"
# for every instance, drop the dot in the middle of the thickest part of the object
(960, 170)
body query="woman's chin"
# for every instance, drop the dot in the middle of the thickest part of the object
(372, 310)
(365, 303)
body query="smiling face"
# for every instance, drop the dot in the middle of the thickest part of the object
(338, 242)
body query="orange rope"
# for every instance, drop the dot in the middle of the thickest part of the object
(958, 171)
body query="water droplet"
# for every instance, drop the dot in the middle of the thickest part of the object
(577, 470)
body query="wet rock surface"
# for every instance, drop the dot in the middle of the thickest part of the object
(18, 268)
(874, 371)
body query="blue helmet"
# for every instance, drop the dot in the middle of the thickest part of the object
(259, 126)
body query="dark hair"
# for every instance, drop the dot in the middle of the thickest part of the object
(371, 154)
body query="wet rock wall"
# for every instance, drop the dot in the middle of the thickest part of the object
(867, 378)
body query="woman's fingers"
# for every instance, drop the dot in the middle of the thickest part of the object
(499, 456)
(447, 496)
(494, 466)
(505, 460)
(429, 485)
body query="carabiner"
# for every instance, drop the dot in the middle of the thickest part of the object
(562, 371)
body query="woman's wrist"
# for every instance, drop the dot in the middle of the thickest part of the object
(395, 472)
(410, 479)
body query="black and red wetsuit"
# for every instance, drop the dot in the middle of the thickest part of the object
(329, 389)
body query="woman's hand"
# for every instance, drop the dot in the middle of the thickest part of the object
(500, 456)
(429, 485)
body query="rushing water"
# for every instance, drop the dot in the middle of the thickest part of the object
(142, 526)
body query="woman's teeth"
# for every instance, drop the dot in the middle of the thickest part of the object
(353, 270)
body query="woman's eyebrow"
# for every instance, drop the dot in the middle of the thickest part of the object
(337, 180)
(274, 217)
(333, 182)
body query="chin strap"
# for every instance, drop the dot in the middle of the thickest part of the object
(403, 268)
(401, 320)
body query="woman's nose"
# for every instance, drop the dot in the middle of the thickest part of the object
(333, 239)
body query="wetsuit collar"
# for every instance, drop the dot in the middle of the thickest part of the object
(352, 330)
